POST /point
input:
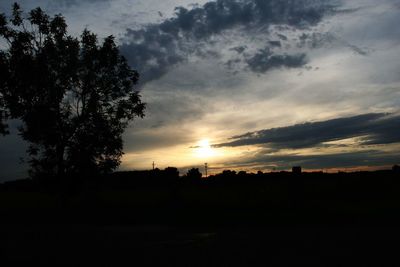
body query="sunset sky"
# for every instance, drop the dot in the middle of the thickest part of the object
(249, 84)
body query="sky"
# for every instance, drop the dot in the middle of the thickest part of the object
(249, 84)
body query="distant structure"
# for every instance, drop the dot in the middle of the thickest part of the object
(296, 170)
(396, 169)
(206, 169)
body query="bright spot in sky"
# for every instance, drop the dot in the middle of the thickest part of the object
(204, 150)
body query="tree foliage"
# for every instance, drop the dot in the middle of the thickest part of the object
(75, 96)
(194, 174)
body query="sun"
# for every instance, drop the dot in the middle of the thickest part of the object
(204, 149)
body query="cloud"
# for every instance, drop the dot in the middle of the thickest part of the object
(153, 139)
(209, 90)
(239, 49)
(157, 47)
(265, 60)
(69, 3)
(46, 4)
(375, 128)
(371, 158)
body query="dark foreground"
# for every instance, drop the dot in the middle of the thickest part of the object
(231, 220)
(310, 245)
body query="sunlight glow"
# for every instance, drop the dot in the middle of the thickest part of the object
(204, 150)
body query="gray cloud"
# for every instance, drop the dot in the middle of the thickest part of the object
(157, 47)
(69, 3)
(154, 139)
(46, 4)
(239, 49)
(319, 40)
(374, 128)
(265, 60)
(168, 108)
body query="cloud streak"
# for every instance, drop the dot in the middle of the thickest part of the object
(265, 60)
(370, 158)
(374, 128)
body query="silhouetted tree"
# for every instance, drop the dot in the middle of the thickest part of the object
(396, 168)
(4, 72)
(171, 172)
(228, 173)
(3, 126)
(75, 96)
(194, 174)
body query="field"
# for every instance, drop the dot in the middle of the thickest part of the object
(268, 220)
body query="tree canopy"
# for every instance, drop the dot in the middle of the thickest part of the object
(74, 96)
(194, 174)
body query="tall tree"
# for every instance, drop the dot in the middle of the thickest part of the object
(75, 96)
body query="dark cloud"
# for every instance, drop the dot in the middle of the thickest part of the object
(154, 49)
(282, 37)
(265, 60)
(153, 60)
(275, 43)
(315, 40)
(239, 49)
(374, 128)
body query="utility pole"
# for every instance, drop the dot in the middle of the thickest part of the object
(153, 165)
(206, 169)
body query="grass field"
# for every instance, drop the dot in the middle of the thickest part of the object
(275, 222)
